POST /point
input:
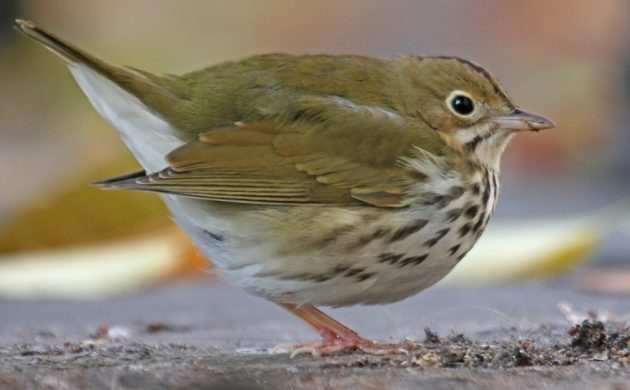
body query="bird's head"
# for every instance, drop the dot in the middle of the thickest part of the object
(469, 107)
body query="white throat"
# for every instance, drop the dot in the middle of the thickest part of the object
(486, 143)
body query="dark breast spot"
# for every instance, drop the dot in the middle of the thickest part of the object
(413, 260)
(365, 276)
(438, 236)
(354, 272)
(465, 229)
(213, 236)
(455, 192)
(454, 249)
(405, 231)
(471, 211)
(333, 235)
(367, 238)
(437, 200)
(476, 189)
(478, 225)
(296, 276)
(452, 215)
(322, 278)
(390, 258)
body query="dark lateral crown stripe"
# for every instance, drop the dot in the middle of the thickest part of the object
(481, 70)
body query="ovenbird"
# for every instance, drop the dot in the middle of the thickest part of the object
(315, 179)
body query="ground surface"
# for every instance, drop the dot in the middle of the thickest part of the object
(209, 335)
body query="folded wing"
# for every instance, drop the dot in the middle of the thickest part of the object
(321, 151)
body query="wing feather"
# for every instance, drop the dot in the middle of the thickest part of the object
(356, 156)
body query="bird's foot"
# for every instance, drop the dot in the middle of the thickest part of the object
(332, 343)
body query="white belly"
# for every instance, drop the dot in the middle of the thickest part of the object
(332, 256)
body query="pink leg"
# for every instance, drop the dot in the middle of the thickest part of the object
(335, 336)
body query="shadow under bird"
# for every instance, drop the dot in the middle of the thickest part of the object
(310, 180)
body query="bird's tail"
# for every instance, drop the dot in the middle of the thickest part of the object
(63, 49)
(152, 90)
(142, 106)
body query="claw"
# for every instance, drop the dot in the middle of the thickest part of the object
(299, 351)
(281, 348)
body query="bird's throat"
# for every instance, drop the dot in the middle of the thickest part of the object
(484, 144)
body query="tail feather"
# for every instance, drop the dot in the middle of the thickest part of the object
(147, 87)
(63, 49)
(111, 182)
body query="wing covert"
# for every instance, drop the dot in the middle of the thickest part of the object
(323, 151)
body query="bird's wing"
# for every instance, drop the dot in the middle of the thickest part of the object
(321, 151)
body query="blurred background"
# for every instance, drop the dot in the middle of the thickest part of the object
(562, 190)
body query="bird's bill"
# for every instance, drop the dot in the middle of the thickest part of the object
(520, 120)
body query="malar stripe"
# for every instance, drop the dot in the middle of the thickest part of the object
(472, 145)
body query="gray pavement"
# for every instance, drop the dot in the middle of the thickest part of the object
(209, 335)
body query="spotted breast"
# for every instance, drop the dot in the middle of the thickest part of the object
(344, 256)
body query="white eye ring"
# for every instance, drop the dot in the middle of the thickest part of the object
(461, 104)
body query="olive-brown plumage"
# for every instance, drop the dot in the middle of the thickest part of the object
(315, 179)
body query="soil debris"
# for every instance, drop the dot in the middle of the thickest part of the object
(589, 335)
(590, 340)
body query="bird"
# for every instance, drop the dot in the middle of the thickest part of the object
(312, 179)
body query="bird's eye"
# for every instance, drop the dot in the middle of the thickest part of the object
(460, 103)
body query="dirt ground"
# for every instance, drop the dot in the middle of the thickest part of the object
(209, 335)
